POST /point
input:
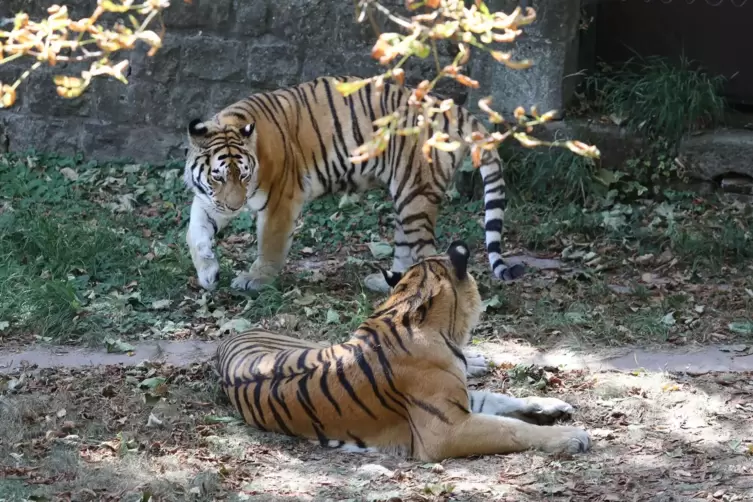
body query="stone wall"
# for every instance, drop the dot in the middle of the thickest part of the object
(218, 51)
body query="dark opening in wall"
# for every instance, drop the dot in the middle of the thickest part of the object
(713, 33)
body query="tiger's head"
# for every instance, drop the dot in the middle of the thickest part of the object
(221, 163)
(440, 293)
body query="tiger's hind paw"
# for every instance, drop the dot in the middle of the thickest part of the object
(246, 281)
(255, 279)
(377, 283)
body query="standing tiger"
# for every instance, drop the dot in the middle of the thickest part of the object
(274, 151)
(399, 384)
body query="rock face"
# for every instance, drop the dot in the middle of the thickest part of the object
(714, 155)
(218, 51)
(551, 42)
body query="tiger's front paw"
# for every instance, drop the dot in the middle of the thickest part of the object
(207, 266)
(209, 274)
(256, 278)
(476, 364)
(546, 410)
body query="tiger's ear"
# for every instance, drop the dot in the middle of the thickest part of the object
(196, 128)
(248, 129)
(459, 255)
(391, 277)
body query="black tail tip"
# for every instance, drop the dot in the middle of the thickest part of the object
(514, 272)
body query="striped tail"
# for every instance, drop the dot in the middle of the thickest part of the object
(495, 203)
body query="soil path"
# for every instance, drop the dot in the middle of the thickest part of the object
(696, 361)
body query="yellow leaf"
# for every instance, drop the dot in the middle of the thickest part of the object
(476, 156)
(583, 149)
(69, 87)
(526, 140)
(7, 96)
(447, 147)
(501, 56)
(64, 92)
(519, 65)
(151, 38)
(348, 88)
(110, 6)
(399, 75)
(68, 82)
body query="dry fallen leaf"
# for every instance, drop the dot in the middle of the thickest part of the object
(69, 173)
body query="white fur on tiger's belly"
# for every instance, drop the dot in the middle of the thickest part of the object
(346, 447)
(393, 451)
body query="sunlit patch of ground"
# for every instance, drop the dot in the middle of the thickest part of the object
(121, 434)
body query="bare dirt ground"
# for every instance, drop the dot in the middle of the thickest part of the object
(114, 433)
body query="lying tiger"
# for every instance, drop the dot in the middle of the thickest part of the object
(399, 384)
(274, 151)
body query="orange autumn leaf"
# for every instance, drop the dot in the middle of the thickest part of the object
(399, 75)
(476, 156)
(466, 80)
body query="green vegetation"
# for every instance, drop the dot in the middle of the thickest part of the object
(96, 254)
(658, 97)
(75, 257)
(91, 252)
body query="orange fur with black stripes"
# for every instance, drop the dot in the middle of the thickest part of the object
(274, 151)
(399, 384)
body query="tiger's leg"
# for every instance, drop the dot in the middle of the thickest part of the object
(204, 224)
(400, 263)
(535, 410)
(481, 434)
(274, 231)
(415, 217)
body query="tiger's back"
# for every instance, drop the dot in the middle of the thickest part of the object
(281, 384)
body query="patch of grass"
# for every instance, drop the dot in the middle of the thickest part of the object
(333, 220)
(65, 245)
(554, 177)
(659, 97)
(728, 239)
(104, 256)
(538, 225)
(649, 323)
(460, 219)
